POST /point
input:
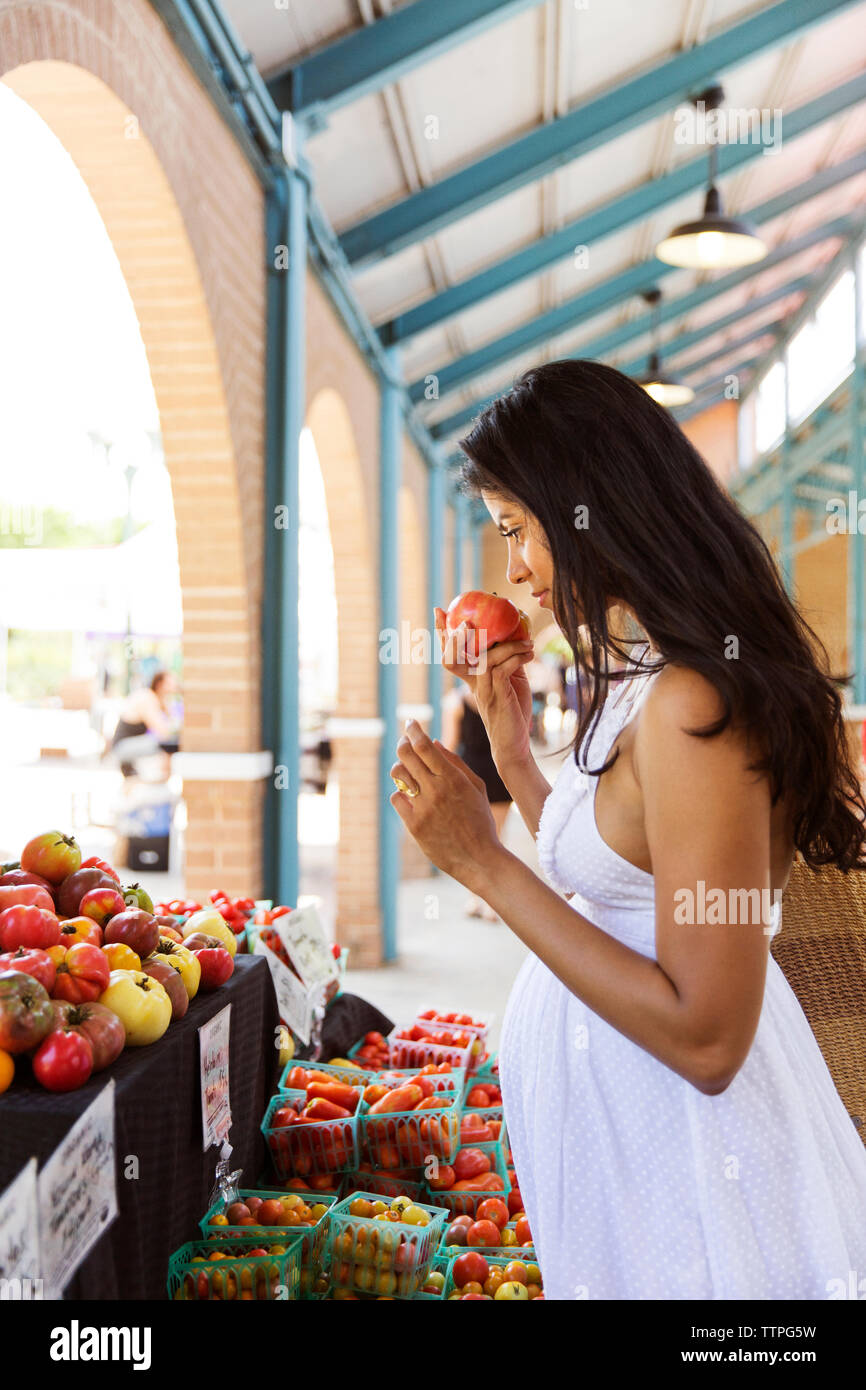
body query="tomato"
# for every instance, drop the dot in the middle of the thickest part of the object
(216, 966)
(515, 1272)
(271, 1213)
(402, 1098)
(64, 1061)
(456, 1234)
(136, 928)
(25, 1011)
(320, 1109)
(511, 1290)
(82, 975)
(485, 1182)
(73, 888)
(478, 1096)
(102, 1029)
(334, 1091)
(482, 1233)
(19, 877)
(522, 1231)
(493, 1280)
(53, 856)
(515, 1201)
(136, 896)
(492, 1209)
(76, 929)
(183, 961)
(470, 1268)
(494, 619)
(120, 957)
(140, 1003)
(169, 978)
(7, 1071)
(31, 961)
(28, 925)
(211, 923)
(372, 1094)
(444, 1179)
(100, 904)
(470, 1163)
(95, 863)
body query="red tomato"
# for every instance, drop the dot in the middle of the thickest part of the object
(99, 1025)
(478, 1096)
(484, 1182)
(522, 1231)
(28, 925)
(95, 863)
(31, 961)
(445, 1178)
(64, 1061)
(29, 893)
(102, 903)
(470, 1163)
(216, 966)
(515, 1201)
(82, 975)
(483, 1233)
(271, 1213)
(53, 856)
(471, 1268)
(25, 1012)
(77, 929)
(491, 618)
(493, 1209)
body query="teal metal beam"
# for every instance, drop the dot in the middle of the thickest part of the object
(591, 124)
(766, 330)
(390, 825)
(786, 510)
(369, 58)
(436, 597)
(620, 212)
(609, 293)
(638, 365)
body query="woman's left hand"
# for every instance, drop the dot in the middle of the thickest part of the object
(444, 807)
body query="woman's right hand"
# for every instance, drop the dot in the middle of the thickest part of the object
(500, 687)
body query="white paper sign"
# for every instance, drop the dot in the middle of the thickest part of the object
(19, 1237)
(293, 1001)
(303, 936)
(216, 1111)
(77, 1193)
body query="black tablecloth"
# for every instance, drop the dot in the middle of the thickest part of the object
(158, 1119)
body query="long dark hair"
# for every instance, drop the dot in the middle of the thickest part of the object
(662, 535)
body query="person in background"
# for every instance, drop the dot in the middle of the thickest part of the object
(147, 724)
(464, 733)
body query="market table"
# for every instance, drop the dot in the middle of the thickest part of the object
(158, 1120)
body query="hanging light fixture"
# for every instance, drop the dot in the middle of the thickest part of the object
(666, 389)
(714, 241)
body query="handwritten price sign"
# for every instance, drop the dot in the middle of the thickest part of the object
(77, 1193)
(216, 1111)
(19, 1229)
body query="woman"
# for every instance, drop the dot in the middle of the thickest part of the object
(146, 724)
(675, 1129)
(463, 731)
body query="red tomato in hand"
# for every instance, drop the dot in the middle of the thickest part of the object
(64, 1061)
(82, 975)
(26, 925)
(493, 619)
(31, 961)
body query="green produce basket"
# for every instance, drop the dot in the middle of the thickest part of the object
(329, 1146)
(409, 1138)
(344, 1074)
(490, 1070)
(498, 1261)
(307, 1292)
(514, 1252)
(381, 1257)
(475, 1080)
(311, 1238)
(466, 1200)
(453, 1080)
(195, 1276)
(384, 1184)
(438, 1265)
(490, 1112)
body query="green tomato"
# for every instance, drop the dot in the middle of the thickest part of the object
(136, 896)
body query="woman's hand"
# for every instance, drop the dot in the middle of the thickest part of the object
(444, 807)
(500, 686)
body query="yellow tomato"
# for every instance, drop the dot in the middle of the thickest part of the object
(507, 1236)
(511, 1291)
(7, 1071)
(140, 1003)
(121, 957)
(212, 923)
(183, 961)
(414, 1216)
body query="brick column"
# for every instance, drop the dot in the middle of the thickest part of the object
(358, 922)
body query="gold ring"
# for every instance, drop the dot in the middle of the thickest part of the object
(401, 786)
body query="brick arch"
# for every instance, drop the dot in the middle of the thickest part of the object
(356, 749)
(186, 218)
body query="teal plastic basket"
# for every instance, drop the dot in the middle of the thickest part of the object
(464, 1201)
(513, 1252)
(454, 1080)
(491, 1112)
(310, 1238)
(490, 1069)
(410, 1138)
(474, 1080)
(438, 1265)
(344, 1074)
(195, 1276)
(385, 1184)
(389, 1258)
(329, 1146)
(407, 1052)
(494, 1261)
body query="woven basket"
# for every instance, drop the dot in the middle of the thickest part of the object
(821, 950)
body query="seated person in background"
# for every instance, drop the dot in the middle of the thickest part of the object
(146, 724)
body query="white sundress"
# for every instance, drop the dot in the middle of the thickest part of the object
(636, 1185)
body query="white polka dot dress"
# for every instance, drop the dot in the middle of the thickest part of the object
(636, 1185)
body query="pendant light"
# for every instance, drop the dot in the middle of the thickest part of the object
(714, 241)
(666, 389)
